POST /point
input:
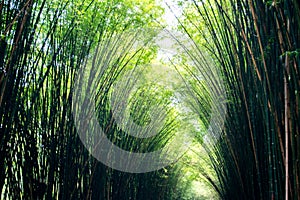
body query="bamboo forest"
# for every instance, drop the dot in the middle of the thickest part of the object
(149, 99)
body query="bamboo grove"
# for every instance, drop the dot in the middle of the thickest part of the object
(245, 54)
(42, 47)
(256, 45)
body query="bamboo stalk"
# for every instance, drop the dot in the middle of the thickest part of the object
(286, 134)
(286, 125)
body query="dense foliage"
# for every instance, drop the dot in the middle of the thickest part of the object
(234, 90)
(43, 45)
(256, 46)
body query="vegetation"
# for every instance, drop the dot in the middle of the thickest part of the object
(230, 93)
(256, 46)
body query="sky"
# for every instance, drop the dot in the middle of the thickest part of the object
(169, 16)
